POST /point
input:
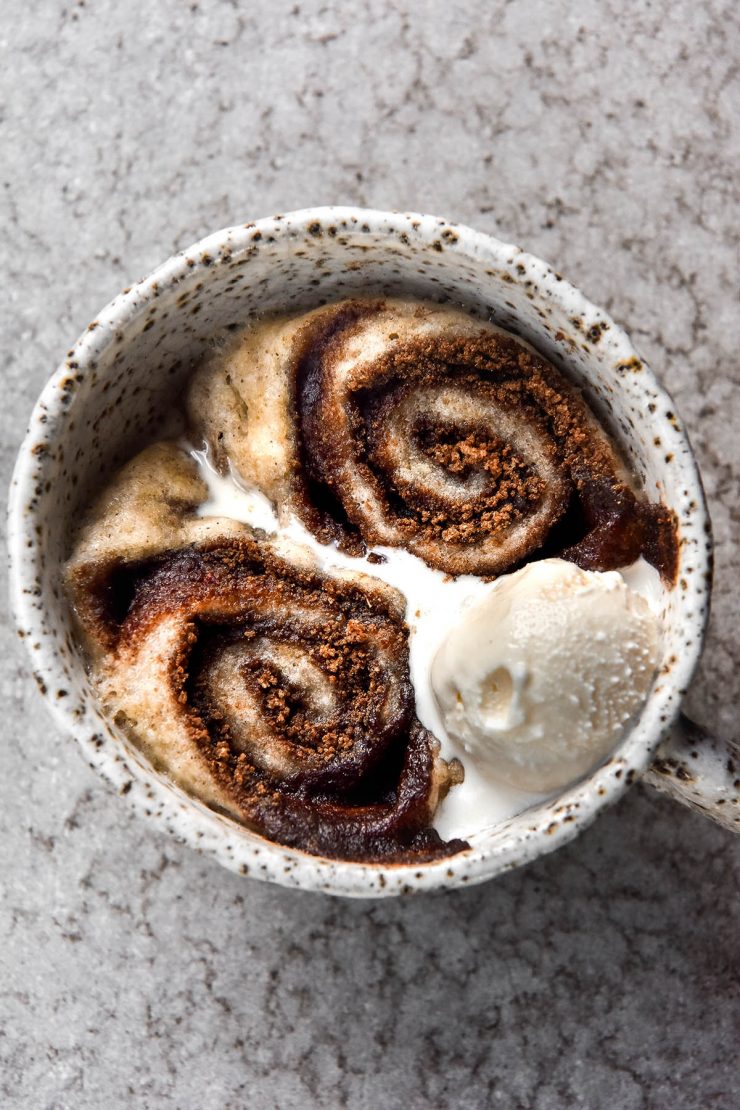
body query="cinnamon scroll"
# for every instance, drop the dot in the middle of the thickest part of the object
(404, 424)
(280, 694)
(271, 691)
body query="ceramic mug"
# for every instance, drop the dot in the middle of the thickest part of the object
(105, 402)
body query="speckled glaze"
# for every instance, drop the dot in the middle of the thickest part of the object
(107, 400)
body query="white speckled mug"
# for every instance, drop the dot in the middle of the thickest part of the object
(105, 401)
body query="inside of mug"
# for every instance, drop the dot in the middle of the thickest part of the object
(127, 378)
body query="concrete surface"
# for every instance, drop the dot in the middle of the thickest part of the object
(603, 136)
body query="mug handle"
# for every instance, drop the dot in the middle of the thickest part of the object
(700, 771)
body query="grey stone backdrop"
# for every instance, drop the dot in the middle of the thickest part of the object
(602, 135)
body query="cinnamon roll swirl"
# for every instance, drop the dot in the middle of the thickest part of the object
(399, 423)
(273, 692)
(279, 693)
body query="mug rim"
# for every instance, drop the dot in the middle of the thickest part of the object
(188, 819)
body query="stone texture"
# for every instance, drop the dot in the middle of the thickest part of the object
(602, 136)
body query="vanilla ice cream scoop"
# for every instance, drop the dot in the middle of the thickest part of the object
(540, 678)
